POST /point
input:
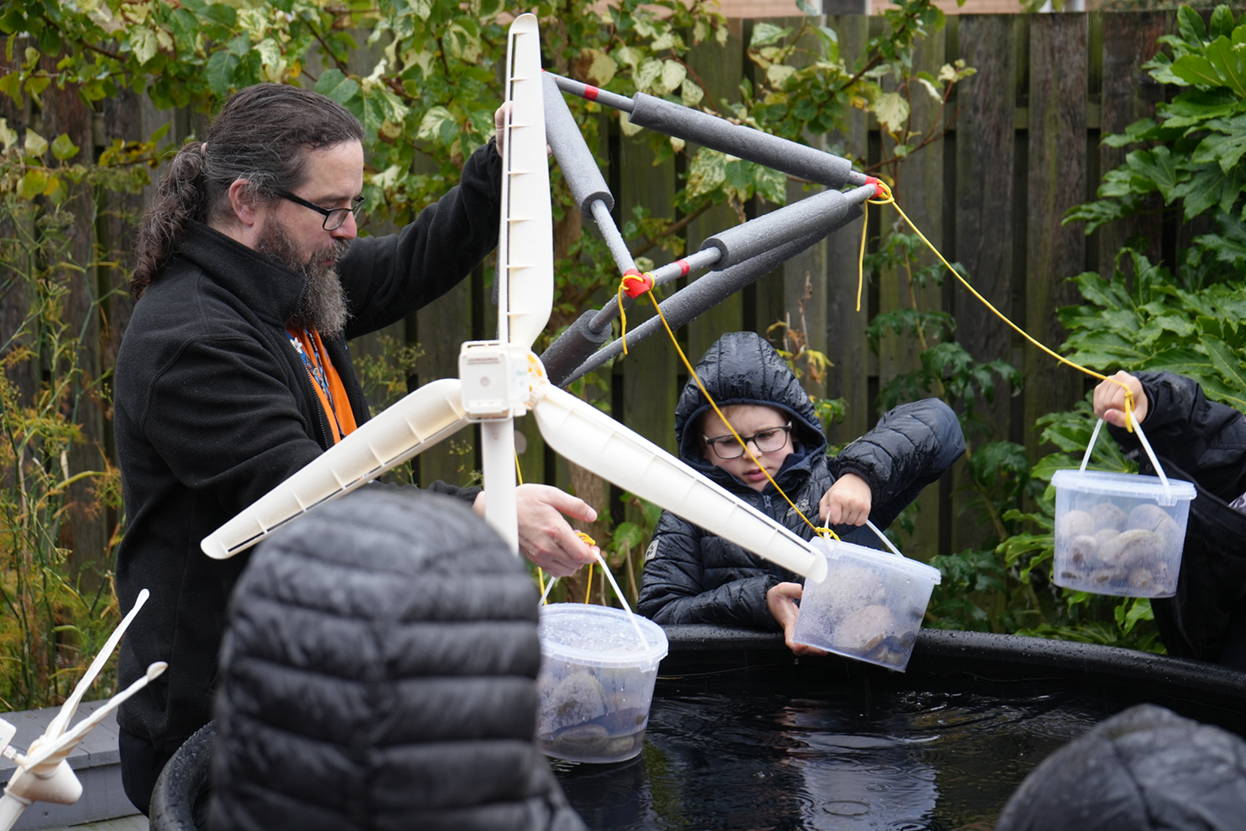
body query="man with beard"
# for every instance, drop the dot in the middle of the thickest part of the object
(234, 371)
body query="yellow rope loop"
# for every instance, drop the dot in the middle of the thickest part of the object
(639, 284)
(825, 532)
(693, 374)
(889, 199)
(587, 539)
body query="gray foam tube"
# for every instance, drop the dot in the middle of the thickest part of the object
(614, 240)
(610, 99)
(718, 134)
(566, 353)
(799, 219)
(574, 158)
(663, 274)
(707, 292)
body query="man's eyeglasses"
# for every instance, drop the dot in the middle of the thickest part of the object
(767, 441)
(333, 217)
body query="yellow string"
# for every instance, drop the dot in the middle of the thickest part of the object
(622, 317)
(589, 589)
(889, 199)
(817, 529)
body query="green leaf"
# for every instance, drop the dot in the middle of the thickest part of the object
(435, 122)
(707, 172)
(770, 185)
(221, 72)
(892, 111)
(334, 84)
(1154, 170)
(11, 85)
(32, 184)
(806, 8)
(220, 13)
(1221, 23)
(144, 44)
(1191, 27)
(1194, 107)
(766, 34)
(1227, 362)
(63, 147)
(1195, 69)
(1227, 60)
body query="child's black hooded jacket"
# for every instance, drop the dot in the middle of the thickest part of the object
(693, 576)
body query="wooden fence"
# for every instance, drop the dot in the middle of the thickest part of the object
(1024, 148)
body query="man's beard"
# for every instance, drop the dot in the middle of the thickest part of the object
(323, 304)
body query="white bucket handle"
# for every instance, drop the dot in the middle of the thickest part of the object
(631, 617)
(883, 537)
(1168, 498)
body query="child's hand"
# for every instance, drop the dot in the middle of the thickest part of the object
(781, 600)
(847, 502)
(1110, 399)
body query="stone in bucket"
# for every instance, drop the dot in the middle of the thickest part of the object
(869, 607)
(1116, 536)
(596, 681)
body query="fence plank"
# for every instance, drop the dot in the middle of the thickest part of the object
(919, 191)
(848, 375)
(802, 282)
(1057, 176)
(984, 214)
(1129, 94)
(720, 69)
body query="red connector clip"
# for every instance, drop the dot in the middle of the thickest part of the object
(635, 283)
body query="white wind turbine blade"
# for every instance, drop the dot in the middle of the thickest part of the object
(417, 422)
(525, 275)
(526, 240)
(57, 726)
(583, 434)
(48, 752)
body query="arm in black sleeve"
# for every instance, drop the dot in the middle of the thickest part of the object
(386, 278)
(1204, 438)
(910, 447)
(675, 588)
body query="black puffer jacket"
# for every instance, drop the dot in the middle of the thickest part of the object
(693, 576)
(1145, 769)
(214, 408)
(379, 672)
(1202, 442)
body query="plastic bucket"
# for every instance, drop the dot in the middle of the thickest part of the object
(1120, 534)
(596, 681)
(1115, 535)
(869, 607)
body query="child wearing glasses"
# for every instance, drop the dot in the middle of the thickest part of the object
(693, 576)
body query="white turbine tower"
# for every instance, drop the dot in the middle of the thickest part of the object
(502, 379)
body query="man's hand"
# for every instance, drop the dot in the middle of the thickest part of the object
(545, 537)
(847, 502)
(781, 600)
(499, 125)
(1110, 399)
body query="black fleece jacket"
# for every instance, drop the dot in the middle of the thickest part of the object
(214, 409)
(693, 576)
(1203, 442)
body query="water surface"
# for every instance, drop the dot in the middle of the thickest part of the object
(734, 751)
